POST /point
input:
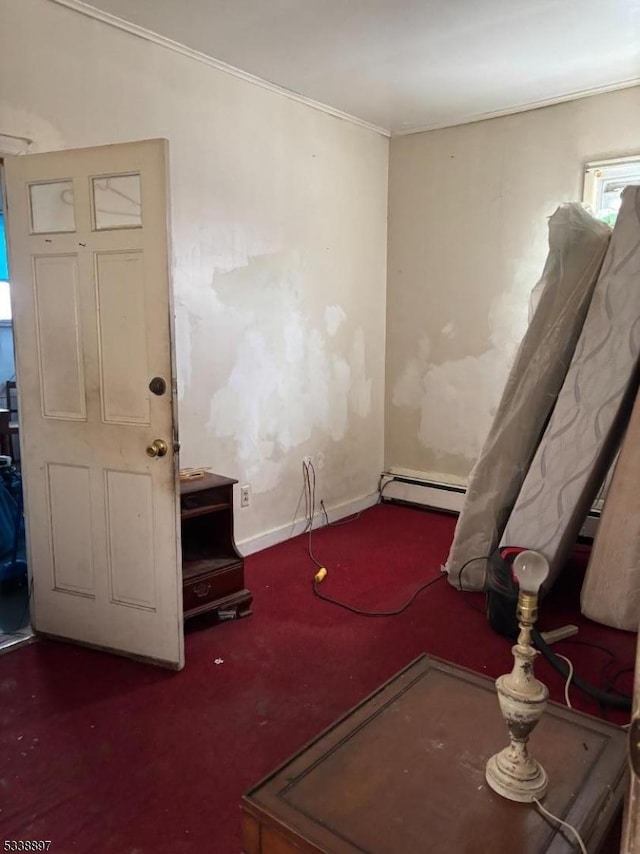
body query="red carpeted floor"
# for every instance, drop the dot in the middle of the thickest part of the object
(101, 754)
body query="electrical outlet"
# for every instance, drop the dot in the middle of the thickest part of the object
(320, 461)
(245, 495)
(308, 460)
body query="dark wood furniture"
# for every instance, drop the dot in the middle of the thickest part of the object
(212, 566)
(11, 394)
(403, 773)
(5, 433)
(9, 427)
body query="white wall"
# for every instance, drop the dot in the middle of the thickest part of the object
(279, 245)
(467, 241)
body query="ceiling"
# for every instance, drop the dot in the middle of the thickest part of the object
(403, 65)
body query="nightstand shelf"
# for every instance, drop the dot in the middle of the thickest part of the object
(202, 511)
(212, 566)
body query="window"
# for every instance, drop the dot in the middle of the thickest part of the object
(604, 181)
(117, 201)
(5, 298)
(52, 208)
(4, 261)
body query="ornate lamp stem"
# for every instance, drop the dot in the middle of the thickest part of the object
(512, 772)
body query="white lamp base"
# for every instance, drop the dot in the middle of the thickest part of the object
(515, 779)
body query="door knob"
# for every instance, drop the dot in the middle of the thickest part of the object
(158, 448)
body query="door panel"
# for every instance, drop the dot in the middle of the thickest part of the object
(56, 297)
(130, 529)
(92, 318)
(69, 500)
(123, 337)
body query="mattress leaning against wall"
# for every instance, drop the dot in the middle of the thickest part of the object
(611, 589)
(577, 247)
(593, 406)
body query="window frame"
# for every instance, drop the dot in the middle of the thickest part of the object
(597, 172)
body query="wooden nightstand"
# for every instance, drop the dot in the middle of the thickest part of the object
(212, 566)
(403, 773)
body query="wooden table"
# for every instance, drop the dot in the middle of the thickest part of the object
(403, 773)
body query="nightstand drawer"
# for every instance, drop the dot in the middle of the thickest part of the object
(204, 589)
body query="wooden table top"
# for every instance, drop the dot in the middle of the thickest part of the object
(207, 481)
(403, 773)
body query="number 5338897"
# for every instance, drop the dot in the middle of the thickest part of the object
(26, 844)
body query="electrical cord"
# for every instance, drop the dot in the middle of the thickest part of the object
(362, 611)
(337, 524)
(464, 566)
(462, 589)
(569, 678)
(592, 645)
(604, 680)
(303, 494)
(309, 475)
(566, 824)
(608, 698)
(611, 680)
(310, 494)
(382, 486)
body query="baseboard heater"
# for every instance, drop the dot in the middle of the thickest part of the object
(422, 491)
(425, 492)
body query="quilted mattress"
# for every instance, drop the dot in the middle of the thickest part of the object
(611, 589)
(577, 246)
(592, 408)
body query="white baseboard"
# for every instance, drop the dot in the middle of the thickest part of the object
(419, 488)
(286, 532)
(414, 488)
(436, 477)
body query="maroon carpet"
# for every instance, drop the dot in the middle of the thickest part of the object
(101, 754)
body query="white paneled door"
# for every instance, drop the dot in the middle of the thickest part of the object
(88, 244)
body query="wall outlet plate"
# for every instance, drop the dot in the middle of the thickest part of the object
(245, 495)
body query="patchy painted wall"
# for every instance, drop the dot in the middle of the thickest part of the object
(467, 241)
(279, 249)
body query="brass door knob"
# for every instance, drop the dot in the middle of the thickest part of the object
(158, 448)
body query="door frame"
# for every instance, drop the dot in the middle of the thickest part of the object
(10, 145)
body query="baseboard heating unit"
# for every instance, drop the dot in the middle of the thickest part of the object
(424, 491)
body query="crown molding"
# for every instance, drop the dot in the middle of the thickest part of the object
(524, 108)
(148, 35)
(198, 56)
(12, 144)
